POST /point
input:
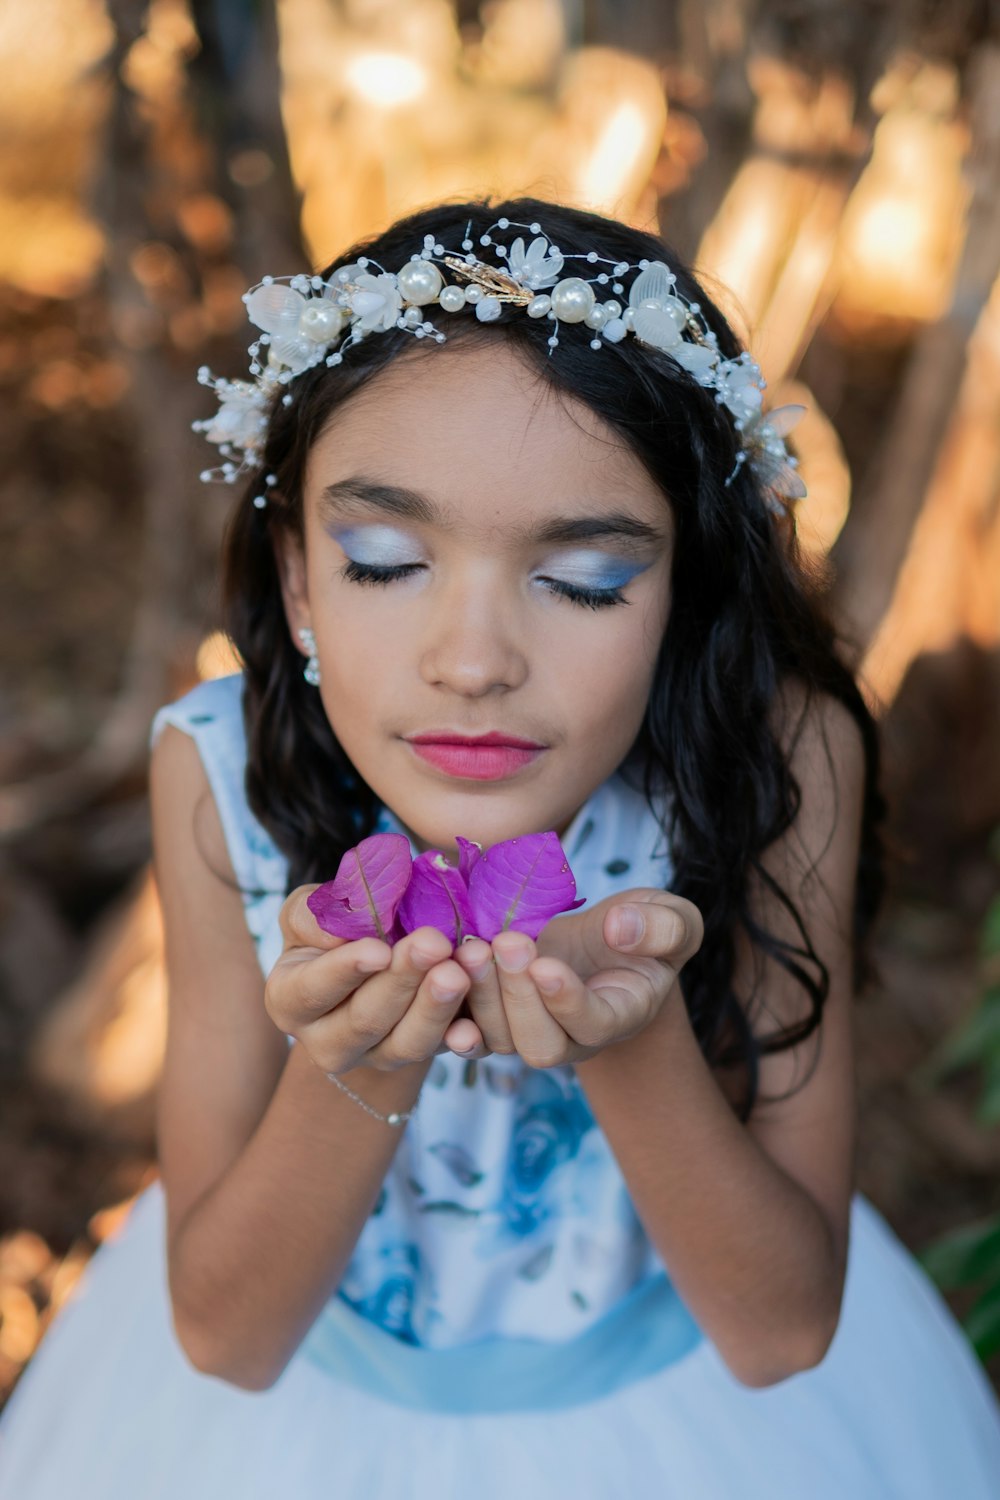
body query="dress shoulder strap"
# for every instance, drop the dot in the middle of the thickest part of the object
(212, 714)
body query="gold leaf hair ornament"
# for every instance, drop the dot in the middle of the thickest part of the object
(305, 320)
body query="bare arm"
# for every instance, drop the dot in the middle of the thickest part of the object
(253, 1263)
(752, 1221)
(270, 1171)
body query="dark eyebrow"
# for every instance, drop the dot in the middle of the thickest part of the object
(396, 500)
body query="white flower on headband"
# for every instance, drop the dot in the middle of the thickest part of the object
(302, 316)
(660, 319)
(700, 362)
(536, 267)
(376, 303)
(241, 418)
(763, 443)
(739, 387)
(299, 328)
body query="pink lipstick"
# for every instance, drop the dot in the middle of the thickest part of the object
(487, 757)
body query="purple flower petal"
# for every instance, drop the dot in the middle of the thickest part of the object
(362, 899)
(396, 931)
(469, 853)
(519, 884)
(437, 896)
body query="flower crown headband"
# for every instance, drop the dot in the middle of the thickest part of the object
(302, 317)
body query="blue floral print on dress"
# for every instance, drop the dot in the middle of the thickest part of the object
(390, 1304)
(550, 1122)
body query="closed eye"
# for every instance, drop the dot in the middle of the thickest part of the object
(592, 598)
(357, 572)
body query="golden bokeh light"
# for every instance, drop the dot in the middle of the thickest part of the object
(386, 78)
(217, 657)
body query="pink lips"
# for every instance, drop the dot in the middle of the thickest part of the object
(488, 757)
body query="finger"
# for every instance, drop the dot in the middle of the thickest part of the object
(420, 1030)
(632, 996)
(475, 1050)
(306, 984)
(379, 1004)
(587, 1016)
(463, 1037)
(537, 1036)
(299, 928)
(662, 926)
(580, 939)
(312, 983)
(485, 1000)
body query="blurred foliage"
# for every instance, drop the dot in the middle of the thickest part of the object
(970, 1257)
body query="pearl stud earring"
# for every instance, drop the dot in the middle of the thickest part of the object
(311, 669)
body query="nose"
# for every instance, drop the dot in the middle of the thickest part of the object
(473, 645)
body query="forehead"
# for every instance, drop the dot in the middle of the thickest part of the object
(485, 438)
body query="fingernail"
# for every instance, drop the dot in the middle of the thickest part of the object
(445, 992)
(369, 965)
(677, 932)
(513, 959)
(627, 925)
(480, 971)
(549, 985)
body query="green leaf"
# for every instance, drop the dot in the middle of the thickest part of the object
(988, 1109)
(983, 1323)
(964, 1256)
(975, 1041)
(989, 939)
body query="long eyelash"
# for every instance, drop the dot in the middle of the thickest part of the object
(356, 572)
(595, 598)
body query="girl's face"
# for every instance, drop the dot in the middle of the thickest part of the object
(481, 556)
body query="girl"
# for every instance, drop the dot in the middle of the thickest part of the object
(573, 1212)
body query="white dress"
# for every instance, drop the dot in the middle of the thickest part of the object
(504, 1322)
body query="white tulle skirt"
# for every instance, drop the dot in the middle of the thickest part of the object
(110, 1409)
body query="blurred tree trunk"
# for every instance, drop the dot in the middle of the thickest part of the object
(870, 554)
(196, 201)
(236, 94)
(721, 41)
(198, 181)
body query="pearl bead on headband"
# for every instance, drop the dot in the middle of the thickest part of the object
(302, 318)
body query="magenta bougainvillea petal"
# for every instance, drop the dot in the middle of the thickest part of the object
(519, 884)
(468, 854)
(437, 896)
(381, 891)
(396, 931)
(363, 897)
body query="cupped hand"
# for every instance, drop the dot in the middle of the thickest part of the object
(583, 986)
(361, 1003)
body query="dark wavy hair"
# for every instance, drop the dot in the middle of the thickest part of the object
(746, 618)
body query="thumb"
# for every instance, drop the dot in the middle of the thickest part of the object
(585, 940)
(653, 924)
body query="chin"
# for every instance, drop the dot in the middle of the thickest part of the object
(479, 830)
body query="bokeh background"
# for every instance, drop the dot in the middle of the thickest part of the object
(832, 167)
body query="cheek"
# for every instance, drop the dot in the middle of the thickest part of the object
(359, 643)
(616, 688)
(624, 639)
(620, 660)
(361, 668)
